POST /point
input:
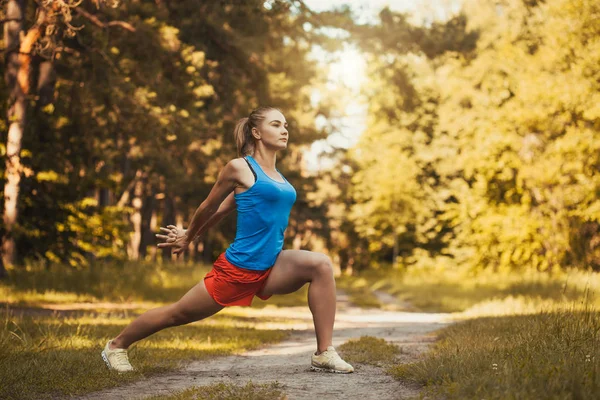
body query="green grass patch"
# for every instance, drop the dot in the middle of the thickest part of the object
(51, 356)
(370, 350)
(114, 282)
(131, 282)
(485, 292)
(552, 354)
(358, 290)
(226, 391)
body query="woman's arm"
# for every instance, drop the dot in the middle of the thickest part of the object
(227, 180)
(226, 207)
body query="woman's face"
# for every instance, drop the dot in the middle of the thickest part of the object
(273, 130)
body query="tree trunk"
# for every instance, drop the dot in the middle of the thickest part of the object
(3, 273)
(136, 220)
(46, 83)
(396, 250)
(207, 248)
(146, 212)
(15, 12)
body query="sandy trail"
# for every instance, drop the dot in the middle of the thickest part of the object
(288, 362)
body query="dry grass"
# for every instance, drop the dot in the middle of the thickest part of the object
(369, 350)
(226, 391)
(522, 335)
(56, 355)
(45, 354)
(551, 355)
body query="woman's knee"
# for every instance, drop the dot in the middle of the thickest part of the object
(324, 266)
(177, 316)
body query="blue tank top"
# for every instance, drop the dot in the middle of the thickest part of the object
(262, 216)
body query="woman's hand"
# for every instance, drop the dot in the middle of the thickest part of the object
(175, 238)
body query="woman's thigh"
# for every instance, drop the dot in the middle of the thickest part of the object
(196, 304)
(293, 269)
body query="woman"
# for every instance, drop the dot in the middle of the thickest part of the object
(254, 264)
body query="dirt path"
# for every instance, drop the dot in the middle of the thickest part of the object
(288, 362)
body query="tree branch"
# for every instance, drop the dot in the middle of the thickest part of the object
(96, 21)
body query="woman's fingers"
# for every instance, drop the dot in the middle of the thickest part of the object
(168, 238)
(171, 239)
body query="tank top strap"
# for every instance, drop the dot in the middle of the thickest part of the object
(260, 172)
(251, 168)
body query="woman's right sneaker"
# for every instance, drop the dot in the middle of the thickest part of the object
(330, 361)
(116, 358)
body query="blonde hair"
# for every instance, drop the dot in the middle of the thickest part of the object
(243, 130)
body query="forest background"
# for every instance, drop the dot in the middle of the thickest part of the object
(481, 149)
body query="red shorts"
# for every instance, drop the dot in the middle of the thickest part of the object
(229, 285)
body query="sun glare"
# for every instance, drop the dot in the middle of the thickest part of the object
(347, 68)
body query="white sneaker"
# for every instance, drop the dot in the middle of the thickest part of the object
(116, 359)
(330, 361)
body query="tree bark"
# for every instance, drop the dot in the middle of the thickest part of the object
(395, 251)
(146, 212)
(207, 248)
(46, 83)
(3, 273)
(15, 12)
(136, 221)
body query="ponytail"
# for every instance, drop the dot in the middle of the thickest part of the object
(245, 142)
(243, 137)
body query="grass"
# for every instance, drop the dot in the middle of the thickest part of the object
(149, 284)
(45, 355)
(104, 282)
(553, 354)
(50, 356)
(226, 391)
(369, 350)
(540, 343)
(485, 292)
(359, 292)
(520, 335)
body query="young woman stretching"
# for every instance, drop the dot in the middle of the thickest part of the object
(254, 264)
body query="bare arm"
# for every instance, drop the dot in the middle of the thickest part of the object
(209, 209)
(220, 202)
(226, 207)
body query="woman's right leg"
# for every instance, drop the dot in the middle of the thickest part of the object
(195, 305)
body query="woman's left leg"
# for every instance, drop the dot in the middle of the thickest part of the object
(292, 270)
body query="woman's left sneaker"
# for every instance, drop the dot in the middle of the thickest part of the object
(116, 359)
(330, 361)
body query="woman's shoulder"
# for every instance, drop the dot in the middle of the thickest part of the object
(237, 163)
(237, 169)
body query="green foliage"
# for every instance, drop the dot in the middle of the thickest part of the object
(141, 122)
(484, 150)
